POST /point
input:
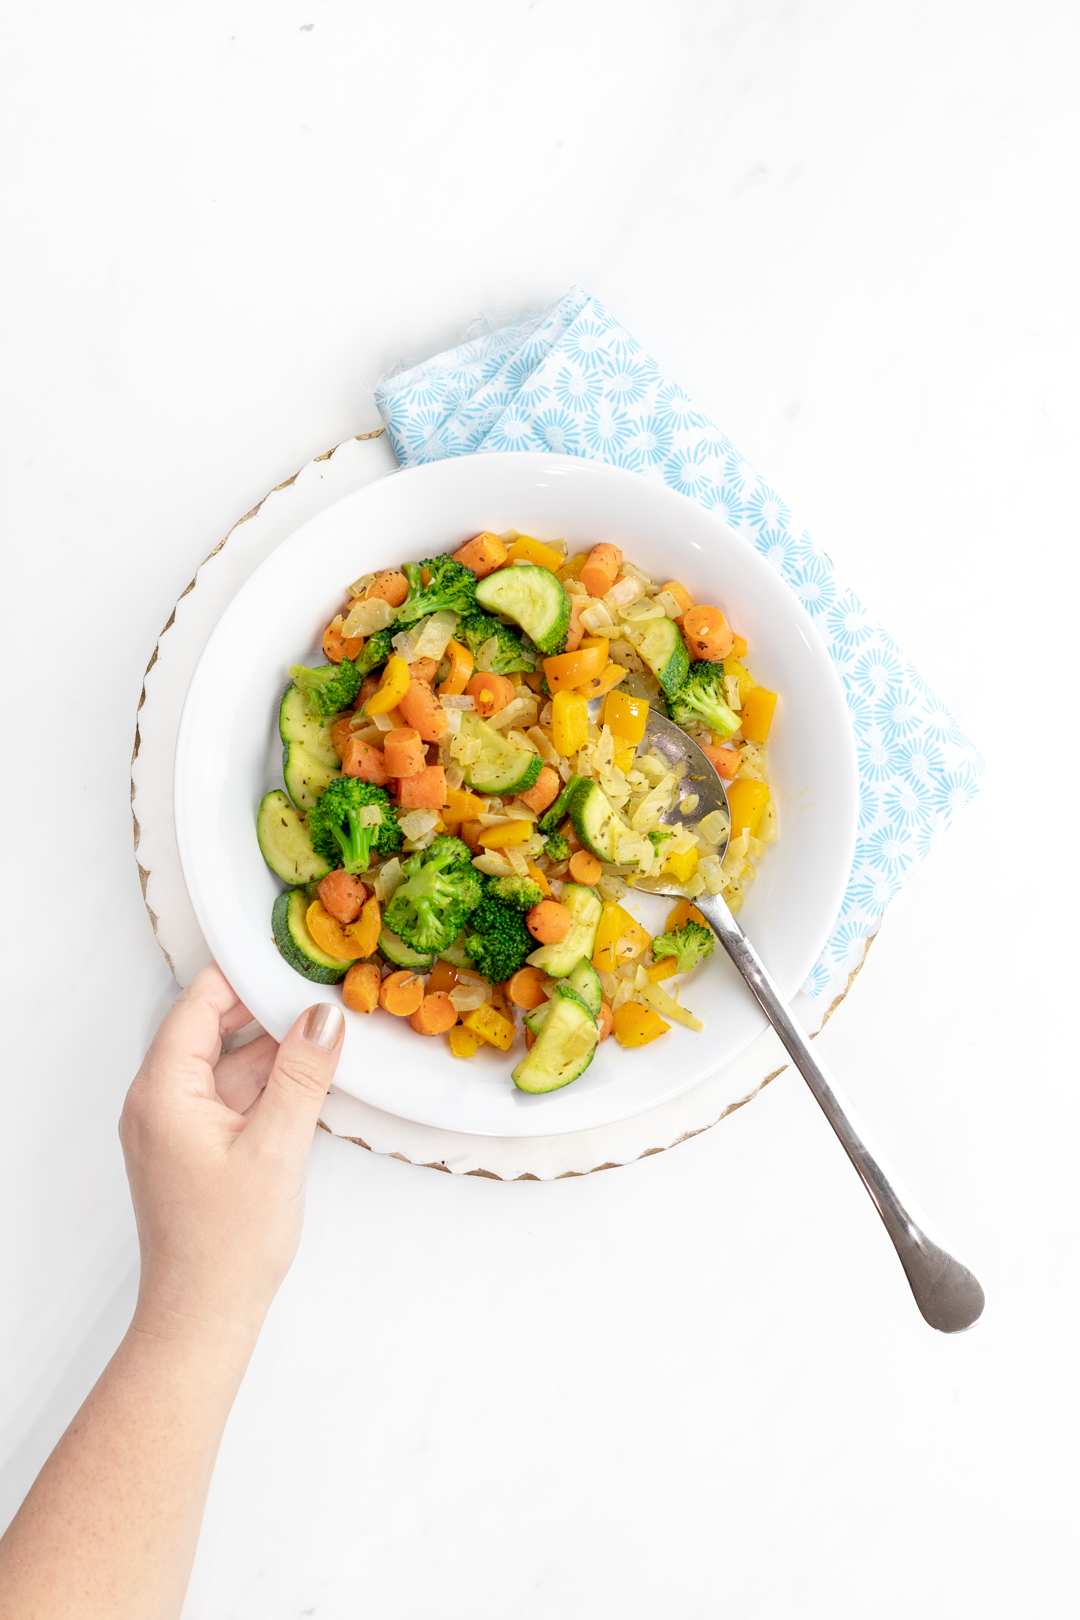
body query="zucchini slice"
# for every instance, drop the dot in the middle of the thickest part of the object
(584, 907)
(456, 954)
(564, 1048)
(395, 950)
(593, 819)
(311, 760)
(503, 767)
(289, 922)
(285, 842)
(664, 650)
(534, 599)
(586, 981)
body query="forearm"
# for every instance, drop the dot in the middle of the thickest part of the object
(110, 1526)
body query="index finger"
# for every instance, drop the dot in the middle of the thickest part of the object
(199, 1018)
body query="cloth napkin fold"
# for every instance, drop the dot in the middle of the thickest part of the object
(573, 380)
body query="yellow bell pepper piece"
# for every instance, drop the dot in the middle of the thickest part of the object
(746, 681)
(392, 688)
(635, 1025)
(682, 866)
(663, 969)
(462, 665)
(525, 549)
(491, 1027)
(568, 670)
(739, 649)
(508, 833)
(627, 716)
(746, 800)
(619, 938)
(681, 913)
(463, 1042)
(461, 806)
(572, 569)
(569, 722)
(624, 754)
(757, 713)
(538, 878)
(608, 677)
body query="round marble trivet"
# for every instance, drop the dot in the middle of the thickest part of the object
(336, 473)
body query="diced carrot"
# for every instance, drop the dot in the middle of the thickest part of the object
(544, 791)
(424, 791)
(401, 993)
(368, 763)
(490, 693)
(483, 554)
(421, 709)
(604, 1021)
(682, 596)
(435, 1014)
(443, 976)
(469, 833)
(342, 895)
(708, 634)
(360, 987)
(368, 687)
(601, 568)
(576, 632)
(525, 988)
(530, 1039)
(391, 585)
(404, 752)
(726, 761)
(365, 932)
(461, 664)
(549, 922)
(423, 669)
(585, 868)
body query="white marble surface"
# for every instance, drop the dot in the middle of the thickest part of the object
(695, 1385)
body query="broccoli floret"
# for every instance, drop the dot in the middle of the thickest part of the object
(497, 939)
(689, 944)
(328, 689)
(520, 892)
(375, 651)
(345, 828)
(450, 585)
(699, 701)
(556, 847)
(432, 904)
(512, 653)
(659, 836)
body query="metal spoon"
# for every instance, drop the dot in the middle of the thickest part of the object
(946, 1292)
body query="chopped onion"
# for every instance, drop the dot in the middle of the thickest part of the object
(689, 804)
(467, 997)
(624, 592)
(436, 633)
(383, 722)
(673, 609)
(462, 702)
(493, 863)
(518, 862)
(386, 879)
(486, 656)
(416, 823)
(514, 712)
(714, 826)
(454, 777)
(542, 743)
(367, 616)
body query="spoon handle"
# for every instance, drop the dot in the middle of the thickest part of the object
(946, 1292)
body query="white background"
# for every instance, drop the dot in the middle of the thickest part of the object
(694, 1386)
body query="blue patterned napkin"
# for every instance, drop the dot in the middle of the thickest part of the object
(573, 380)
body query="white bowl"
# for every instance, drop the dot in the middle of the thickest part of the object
(228, 755)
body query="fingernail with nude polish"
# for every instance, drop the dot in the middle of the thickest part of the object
(323, 1025)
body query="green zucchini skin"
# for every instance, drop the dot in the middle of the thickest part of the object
(456, 954)
(396, 952)
(664, 650)
(585, 908)
(285, 844)
(593, 819)
(503, 767)
(534, 599)
(311, 761)
(545, 1067)
(289, 923)
(585, 981)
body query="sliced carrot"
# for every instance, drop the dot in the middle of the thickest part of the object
(567, 830)
(483, 554)
(435, 1014)
(423, 669)
(404, 752)
(726, 761)
(342, 895)
(391, 585)
(604, 1021)
(490, 693)
(544, 791)
(549, 922)
(336, 646)
(421, 709)
(365, 932)
(601, 569)
(443, 976)
(525, 988)
(585, 868)
(682, 596)
(368, 687)
(341, 731)
(461, 666)
(424, 791)
(401, 993)
(360, 987)
(708, 634)
(330, 936)
(362, 760)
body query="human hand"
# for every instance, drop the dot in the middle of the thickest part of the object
(216, 1149)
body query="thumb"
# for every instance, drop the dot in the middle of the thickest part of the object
(288, 1108)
